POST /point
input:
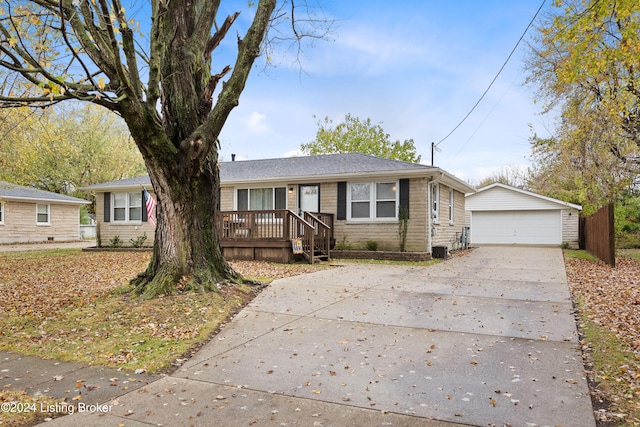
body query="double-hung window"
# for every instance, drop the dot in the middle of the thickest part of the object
(261, 199)
(1, 213)
(127, 207)
(451, 206)
(435, 202)
(373, 200)
(42, 214)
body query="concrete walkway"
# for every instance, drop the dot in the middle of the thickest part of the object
(484, 339)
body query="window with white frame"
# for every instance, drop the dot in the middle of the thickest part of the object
(1, 213)
(127, 207)
(42, 214)
(261, 199)
(372, 200)
(435, 202)
(451, 206)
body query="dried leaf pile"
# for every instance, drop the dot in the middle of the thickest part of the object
(73, 305)
(611, 300)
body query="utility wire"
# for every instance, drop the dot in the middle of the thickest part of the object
(496, 77)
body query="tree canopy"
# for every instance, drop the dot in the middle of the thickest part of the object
(585, 62)
(354, 135)
(63, 149)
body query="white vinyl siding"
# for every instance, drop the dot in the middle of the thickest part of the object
(500, 214)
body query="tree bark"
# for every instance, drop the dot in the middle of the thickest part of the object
(181, 154)
(186, 253)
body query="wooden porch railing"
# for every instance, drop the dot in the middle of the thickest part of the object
(275, 225)
(322, 233)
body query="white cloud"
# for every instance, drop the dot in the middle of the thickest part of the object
(293, 153)
(256, 122)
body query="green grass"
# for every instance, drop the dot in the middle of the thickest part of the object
(119, 331)
(579, 254)
(39, 254)
(611, 359)
(629, 253)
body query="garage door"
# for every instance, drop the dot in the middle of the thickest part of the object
(516, 227)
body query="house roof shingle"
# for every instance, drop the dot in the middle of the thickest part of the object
(299, 169)
(14, 191)
(326, 164)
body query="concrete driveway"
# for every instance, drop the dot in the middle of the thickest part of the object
(485, 339)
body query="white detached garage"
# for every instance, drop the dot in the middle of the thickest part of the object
(504, 215)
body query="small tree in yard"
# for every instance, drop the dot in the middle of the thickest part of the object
(354, 135)
(90, 51)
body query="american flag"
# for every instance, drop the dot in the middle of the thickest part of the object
(150, 204)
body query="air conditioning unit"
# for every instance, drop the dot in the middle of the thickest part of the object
(440, 252)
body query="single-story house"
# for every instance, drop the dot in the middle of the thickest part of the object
(28, 214)
(501, 214)
(361, 193)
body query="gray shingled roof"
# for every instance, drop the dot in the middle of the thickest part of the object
(138, 181)
(296, 168)
(290, 167)
(13, 191)
(327, 164)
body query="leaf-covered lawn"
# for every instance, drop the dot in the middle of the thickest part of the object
(73, 305)
(609, 302)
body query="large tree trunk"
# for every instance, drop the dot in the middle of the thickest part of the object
(180, 151)
(186, 253)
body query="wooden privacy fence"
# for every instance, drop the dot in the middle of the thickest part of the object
(597, 234)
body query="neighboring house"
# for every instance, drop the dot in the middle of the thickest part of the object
(362, 193)
(31, 215)
(500, 214)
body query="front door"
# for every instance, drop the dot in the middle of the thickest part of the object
(309, 198)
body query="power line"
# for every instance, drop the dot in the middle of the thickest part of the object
(434, 145)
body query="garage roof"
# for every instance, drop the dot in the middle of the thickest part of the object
(498, 197)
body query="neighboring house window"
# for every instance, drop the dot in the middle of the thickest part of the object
(1, 213)
(42, 214)
(261, 199)
(127, 207)
(373, 200)
(451, 200)
(435, 202)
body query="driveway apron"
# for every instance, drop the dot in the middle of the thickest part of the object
(484, 339)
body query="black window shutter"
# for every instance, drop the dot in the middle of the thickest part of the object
(404, 194)
(342, 200)
(107, 207)
(144, 209)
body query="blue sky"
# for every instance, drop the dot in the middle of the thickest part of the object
(415, 67)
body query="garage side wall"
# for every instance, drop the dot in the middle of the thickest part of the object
(570, 228)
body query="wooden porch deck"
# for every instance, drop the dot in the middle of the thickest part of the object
(269, 235)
